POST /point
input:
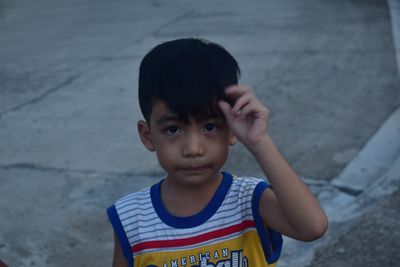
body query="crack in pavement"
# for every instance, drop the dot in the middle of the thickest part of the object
(321, 185)
(348, 190)
(118, 58)
(38, 167)
(157, 32)
(42, 96)
(73, 78)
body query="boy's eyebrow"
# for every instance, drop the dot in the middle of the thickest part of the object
(166, 118)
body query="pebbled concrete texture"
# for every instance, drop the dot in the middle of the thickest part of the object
(63, 220)
(346, 204)
(68, 110)
(371, 240)
(378, 155)
(364, 227)
(291, 54)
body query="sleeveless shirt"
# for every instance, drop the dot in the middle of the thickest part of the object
(229, 231)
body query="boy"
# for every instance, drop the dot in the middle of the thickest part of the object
(199, 216)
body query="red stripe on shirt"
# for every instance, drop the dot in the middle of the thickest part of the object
(195, 239)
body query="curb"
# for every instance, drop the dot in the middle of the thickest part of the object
(376, 157)
(394, 8)
(372, 175)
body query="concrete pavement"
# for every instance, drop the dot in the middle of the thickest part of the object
(366, 229)
(350, 202)
(68, 109)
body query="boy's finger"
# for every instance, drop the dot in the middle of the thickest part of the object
(236, 91)
(226, 109)
(250, 108)
(241, 102)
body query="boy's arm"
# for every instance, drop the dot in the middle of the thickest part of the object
(119, 259)
(290, 208)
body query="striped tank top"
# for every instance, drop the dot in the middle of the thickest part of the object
(228, 232)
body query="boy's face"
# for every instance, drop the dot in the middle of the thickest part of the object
(191, 153)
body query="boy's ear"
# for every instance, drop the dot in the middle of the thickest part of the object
(145, 135)
(232, 139)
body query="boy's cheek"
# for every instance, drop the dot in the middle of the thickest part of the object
(166, 155)
(164, 161)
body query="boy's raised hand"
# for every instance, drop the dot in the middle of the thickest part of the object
(248, 118)
(290, 208)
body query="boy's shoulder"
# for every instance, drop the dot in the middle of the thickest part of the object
(135, 198)
(247, 181)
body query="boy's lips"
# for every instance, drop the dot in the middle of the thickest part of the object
(195, 169)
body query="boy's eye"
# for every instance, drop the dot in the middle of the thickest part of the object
(210, 127)
(172, 130)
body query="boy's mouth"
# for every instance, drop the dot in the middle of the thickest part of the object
(195, 169)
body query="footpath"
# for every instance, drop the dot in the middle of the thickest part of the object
(363, 201)
(362, 206)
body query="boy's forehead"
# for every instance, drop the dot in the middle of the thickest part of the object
(159, 108)
(161, 112)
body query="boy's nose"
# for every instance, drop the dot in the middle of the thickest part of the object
(193, 146)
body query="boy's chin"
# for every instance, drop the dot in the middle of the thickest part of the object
(195, 176)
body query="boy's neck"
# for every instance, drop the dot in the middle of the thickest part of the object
(182, 200)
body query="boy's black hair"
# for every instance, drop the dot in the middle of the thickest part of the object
(188, 75)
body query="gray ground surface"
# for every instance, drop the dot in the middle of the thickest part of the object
(372, 240)
(60, 217)
(68, 108)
